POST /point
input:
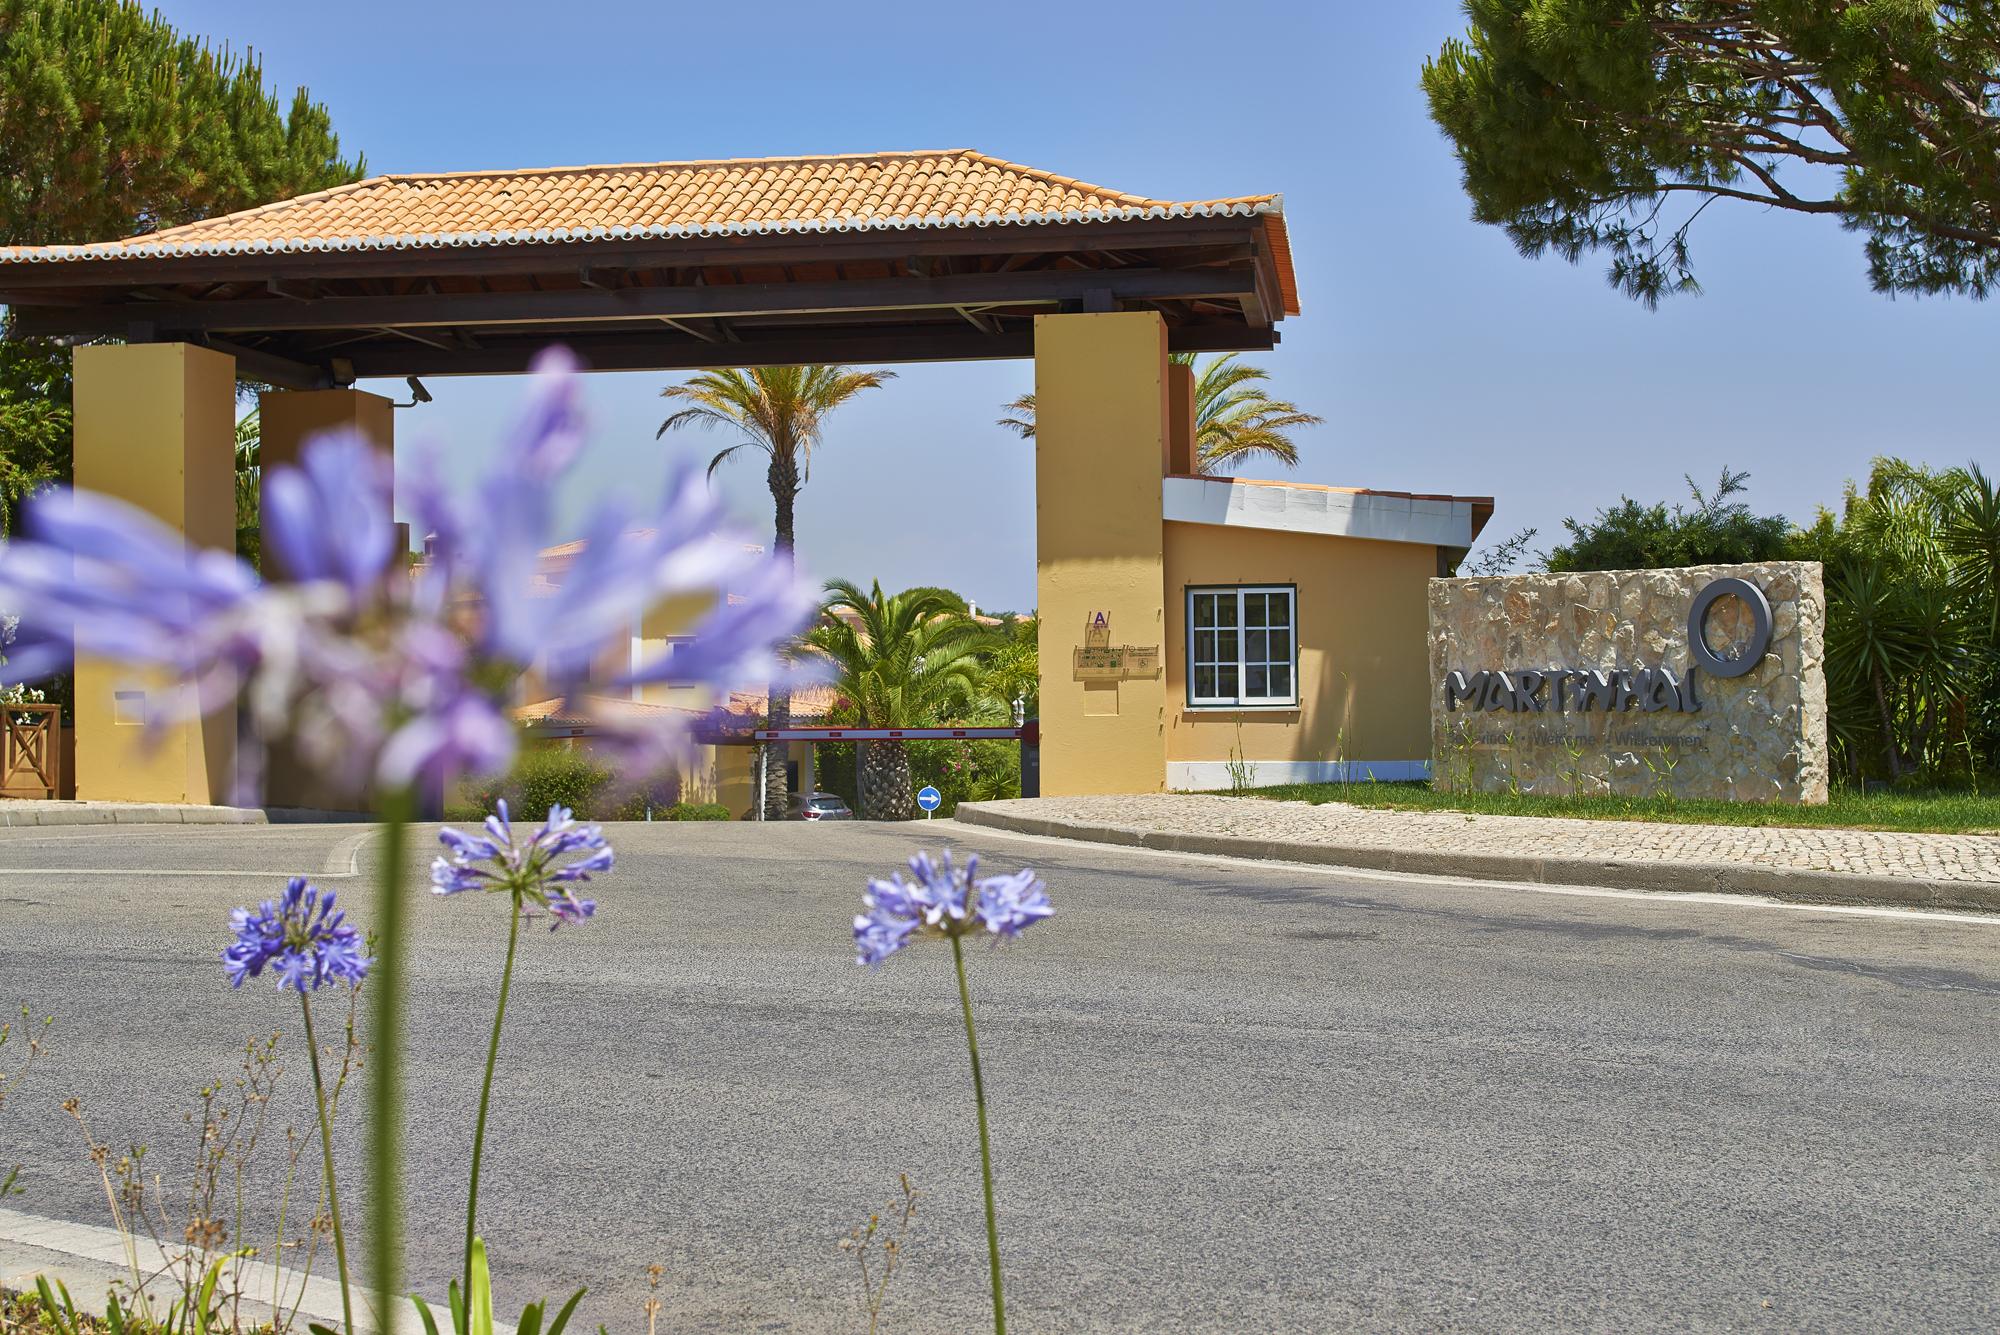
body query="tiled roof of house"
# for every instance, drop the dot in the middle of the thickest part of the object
(841, 193)
(584, 711)
(809, 703)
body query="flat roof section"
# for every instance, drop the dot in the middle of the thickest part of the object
(1342, 512)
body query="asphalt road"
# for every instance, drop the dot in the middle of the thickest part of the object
(1226, 1097)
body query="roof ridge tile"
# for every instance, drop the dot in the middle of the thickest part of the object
(809, 193)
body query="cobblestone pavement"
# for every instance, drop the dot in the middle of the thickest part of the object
(1931, 857)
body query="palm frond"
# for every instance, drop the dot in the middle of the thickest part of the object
(914, 656)
(1021, 420)
(1234, 418)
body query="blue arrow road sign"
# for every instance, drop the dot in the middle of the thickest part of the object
(929, 798)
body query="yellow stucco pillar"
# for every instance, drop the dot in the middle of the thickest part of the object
(1101, 433)
(286, 420)
(155, 426)
(1181, 459)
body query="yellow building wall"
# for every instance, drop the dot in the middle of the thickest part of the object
(155, 425)
(671, 617)
(1362, 613)
(735, 781)
(1101, 423)
(286, 420)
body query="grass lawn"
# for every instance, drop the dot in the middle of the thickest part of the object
(1916, 810)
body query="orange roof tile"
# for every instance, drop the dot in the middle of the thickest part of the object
(808, 702)
(562, 711)
(841, 193)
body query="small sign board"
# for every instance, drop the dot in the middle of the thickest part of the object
(930, 799)
(1115, 662)
(1098, 659)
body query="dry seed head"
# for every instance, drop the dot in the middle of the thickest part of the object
(208, 1234)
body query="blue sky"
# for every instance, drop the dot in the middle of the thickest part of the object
(1441, 360)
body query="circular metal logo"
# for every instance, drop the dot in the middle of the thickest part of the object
(1749, 655)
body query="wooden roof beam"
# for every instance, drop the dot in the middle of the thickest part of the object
(1096, 289)
(627, 353)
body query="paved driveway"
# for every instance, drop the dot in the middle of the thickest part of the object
(1227, 1097)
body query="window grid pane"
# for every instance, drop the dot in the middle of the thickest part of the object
(1207, 648)
(1241, 646)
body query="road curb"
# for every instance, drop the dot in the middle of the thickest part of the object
(27, 812)
(17, 812)
(90, 1260)
(1795, 885)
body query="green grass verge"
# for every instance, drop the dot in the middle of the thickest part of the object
(1915, 810)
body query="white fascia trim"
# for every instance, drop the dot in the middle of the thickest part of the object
(1340, 514)
(1207, 776)
(141, 249)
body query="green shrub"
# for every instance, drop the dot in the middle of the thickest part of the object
(556, 776)
(967, 771)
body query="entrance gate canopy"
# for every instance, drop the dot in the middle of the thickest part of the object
(887, 257)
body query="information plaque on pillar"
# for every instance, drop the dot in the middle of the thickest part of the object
(1097, 659)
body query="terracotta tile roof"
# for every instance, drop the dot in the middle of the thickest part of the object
(559, 558)
(843, 193)
(808, 703)
(585, 711)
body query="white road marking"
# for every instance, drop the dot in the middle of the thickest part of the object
(1746, 901)
(344, 858)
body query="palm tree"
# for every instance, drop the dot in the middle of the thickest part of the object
(1235, 421)
(1913, 617)
(249, 475)
(1013, 663)
(780, 410)
(913, 660)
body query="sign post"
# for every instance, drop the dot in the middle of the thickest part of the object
(930, 799)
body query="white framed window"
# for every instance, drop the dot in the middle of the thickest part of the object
(1243, 645)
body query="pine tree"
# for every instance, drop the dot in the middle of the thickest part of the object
(113, 124)
(1611, 125)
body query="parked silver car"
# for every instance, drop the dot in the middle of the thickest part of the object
(818, 806)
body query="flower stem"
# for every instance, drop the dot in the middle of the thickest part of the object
(326, 1150)
(486, 1093)
(386, 1090)
(985, 1149)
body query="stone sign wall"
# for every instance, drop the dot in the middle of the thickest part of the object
(1589, 683)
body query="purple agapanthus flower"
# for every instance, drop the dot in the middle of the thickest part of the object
(384, 677)
(941, 899)
(307, 941)
(539, 871)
